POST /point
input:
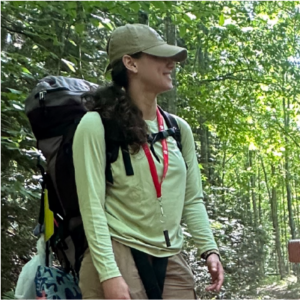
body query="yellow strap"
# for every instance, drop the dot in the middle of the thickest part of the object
(49, 218)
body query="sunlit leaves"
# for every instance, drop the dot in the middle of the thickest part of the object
(221, 20)
(239, 86)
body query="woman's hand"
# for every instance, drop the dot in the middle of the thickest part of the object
(216, 271)
(115, 288)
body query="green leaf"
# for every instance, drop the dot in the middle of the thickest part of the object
(18, 107)
(9, 295)
(159, 4)
(221, 20)
(16, 92)
(108, 26)
(25, 70)
(182, 31)
(17, 3)
(169, 4)
(187, 18)
(79, 28)
(135, 5)
(71, 4)
(69, 64)
(72, 42)
(27, 75)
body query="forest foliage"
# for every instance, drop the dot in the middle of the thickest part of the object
(239, 90)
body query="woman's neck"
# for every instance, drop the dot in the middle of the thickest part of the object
(146, 102)
(147, 108)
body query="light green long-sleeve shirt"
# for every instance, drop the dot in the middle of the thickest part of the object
(128, 210)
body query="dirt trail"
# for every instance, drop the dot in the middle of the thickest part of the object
(288, 288)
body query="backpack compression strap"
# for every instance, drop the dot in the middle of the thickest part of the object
(172, 123)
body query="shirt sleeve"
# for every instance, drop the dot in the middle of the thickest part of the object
(194, 212)
(89, 162)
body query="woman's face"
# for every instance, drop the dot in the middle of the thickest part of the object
(154, 73)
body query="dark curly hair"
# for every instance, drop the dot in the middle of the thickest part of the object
(114, 104)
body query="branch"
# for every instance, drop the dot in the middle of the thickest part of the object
(33, 36)
(12, 30)
(285, 132)
(230, 158)
(26, 33)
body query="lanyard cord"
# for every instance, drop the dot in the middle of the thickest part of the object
(157, 183)
(152, 167)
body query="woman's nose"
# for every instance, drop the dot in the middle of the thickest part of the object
(171, 64)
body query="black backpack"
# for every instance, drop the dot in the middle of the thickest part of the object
(55, 108)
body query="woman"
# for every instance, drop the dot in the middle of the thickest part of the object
(139, 213)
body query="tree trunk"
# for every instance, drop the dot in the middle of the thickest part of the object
(143, 18)
(253, 187)
(274, 217)
(222, 177)
(259, 198)
(284, 217)
(297, 206)
(168, 100)
(5, 36)
(287, 169)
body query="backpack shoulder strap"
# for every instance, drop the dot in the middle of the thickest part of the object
(114, 141)
(172, 123)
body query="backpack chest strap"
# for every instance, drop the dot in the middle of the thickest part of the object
(156, 137)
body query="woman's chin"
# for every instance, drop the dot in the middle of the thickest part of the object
(166, 89)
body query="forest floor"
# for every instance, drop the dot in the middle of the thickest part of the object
(288, 288)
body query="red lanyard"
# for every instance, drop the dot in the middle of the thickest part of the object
(153, 170)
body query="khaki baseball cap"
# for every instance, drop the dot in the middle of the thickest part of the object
(134, 38)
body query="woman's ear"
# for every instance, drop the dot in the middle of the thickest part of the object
(129, 63)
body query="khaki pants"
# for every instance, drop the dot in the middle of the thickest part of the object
(179, 281)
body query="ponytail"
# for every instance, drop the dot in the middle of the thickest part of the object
(113, 103)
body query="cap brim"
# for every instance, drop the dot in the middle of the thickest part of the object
(178, 54)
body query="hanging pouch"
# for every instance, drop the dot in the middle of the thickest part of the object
(52, 283)
(25, 288)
